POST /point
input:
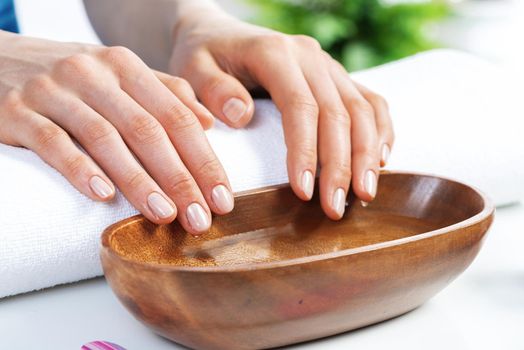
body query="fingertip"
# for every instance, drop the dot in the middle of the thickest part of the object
(161, 210)
(222, 200)
(101, 189)
(365, 187)
(237, 112)
(198, 219)
(207, 120)
(333, 195)
(306, 186)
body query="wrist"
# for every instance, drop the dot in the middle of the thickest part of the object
(191, 15)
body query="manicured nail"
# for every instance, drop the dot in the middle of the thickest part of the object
(385, 154)
(223, 198)
(197, 217)
(160, 206)
(234, 109)
(339, 201)
(370, 183)
(307, 183)
(364, 204)
(100, 187)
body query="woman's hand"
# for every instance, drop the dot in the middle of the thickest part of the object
(141, 130)
(327, 118)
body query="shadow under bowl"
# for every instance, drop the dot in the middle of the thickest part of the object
(277, 271)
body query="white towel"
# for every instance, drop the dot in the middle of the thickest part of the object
(455, 115)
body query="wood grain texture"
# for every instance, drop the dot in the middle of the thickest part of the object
(276, 271)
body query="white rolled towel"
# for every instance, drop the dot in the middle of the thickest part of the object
(454, 114)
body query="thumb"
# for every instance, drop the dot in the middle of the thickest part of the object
(220, 92)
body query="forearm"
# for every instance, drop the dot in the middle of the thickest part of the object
(146, 27)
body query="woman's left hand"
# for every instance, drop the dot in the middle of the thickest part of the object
(327, 117)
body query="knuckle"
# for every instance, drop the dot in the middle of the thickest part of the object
(180, 119)
(305, 151)
(304, 103)
(12, 102)
(177, 83)
(180, 183)
(362, 107)
(368, 154)
(47, 135)
(308, 42)
(338, 117)
(74, 165)
(340, 168)
(276, 39)
(145, 130)
(98, 131)
(136, 179)
(40, 84)
(270, 44)
(118, 54)
(121, 61)
(210, 166)
(76, 65)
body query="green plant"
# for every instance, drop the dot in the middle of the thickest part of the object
(358, 33)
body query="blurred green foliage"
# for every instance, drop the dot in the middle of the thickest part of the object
(358, 33)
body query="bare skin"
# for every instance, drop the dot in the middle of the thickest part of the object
(143, 130)
(117, 109)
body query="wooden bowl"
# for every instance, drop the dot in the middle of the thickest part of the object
(276, 271)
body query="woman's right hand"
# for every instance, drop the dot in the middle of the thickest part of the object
(142, 130)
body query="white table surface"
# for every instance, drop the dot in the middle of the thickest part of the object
(482, 309)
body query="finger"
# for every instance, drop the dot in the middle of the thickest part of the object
(188, 137)
(386, 134)
(102, 141)
(334, 145)
(145, 136)
(364, 137)
(148, 140)
(299, 117)
(56, 148)
(183, 91)
(223, 94)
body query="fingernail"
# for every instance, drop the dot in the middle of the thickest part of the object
(159, 205)
(364, 204)
(100, 187)
(307, 183)
(385, 154)
(234, 109)
(222, 198)
(370, 183)
(339, 201)
(197, 217)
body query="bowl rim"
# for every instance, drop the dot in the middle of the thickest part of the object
(487, 211)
